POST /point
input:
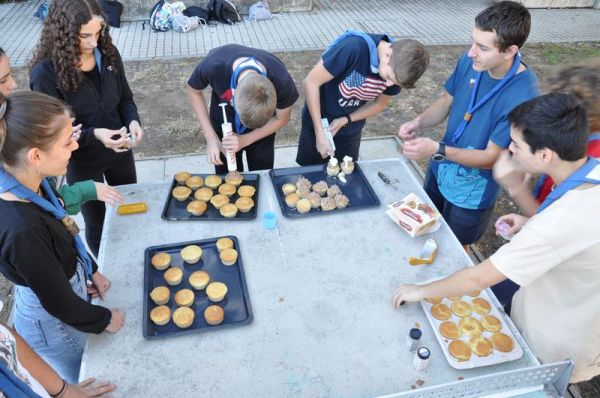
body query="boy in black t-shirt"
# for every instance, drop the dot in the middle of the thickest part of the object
(259, 93)
(355, 79)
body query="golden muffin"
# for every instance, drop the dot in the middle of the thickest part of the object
(161, 261)
(459, 350)
(246, 191)
(303, 206)
(160, 295)
(181, 193)
(184, 297)
(214, 315)
(481, 306)
(224, 243)
(244, 204)
(503, 342)
(227, 189)
(234, 179)
(160, 315)
(434, 300)
(199, 279)
(449, 330)
(204, 194)
(216, 291)
(461, 308)
(441, 312)
(173, 276)
(196, 207)
(481, 346)
(470, 326)
(475, 293)
(194, 182)
(228, 256)
(213, 181)
(181, 177)
(292, 199)
(288, 188)
(219, 200)
(191, 254)
(455, 298)
(491, 323)
(228, 210)
(183, 317)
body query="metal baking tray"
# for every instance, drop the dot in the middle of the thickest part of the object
(175, 210)
(236, 304)
(357, 188)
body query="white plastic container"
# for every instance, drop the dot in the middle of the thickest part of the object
(227, 129)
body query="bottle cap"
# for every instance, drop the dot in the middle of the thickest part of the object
(423, 353)
(415, 333)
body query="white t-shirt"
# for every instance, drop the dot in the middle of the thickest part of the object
(8, 355)
(555, 259)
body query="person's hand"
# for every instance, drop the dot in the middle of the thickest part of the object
(323, 146)
(108, 194)
(408, 130)
(120, 144)
(213, 152)
(337, 124)
(99, 285)
(509, 174)
(88, 388)
(407, 294)
(420, 148)
(136, 132)
(233, 143)
(515, 221)
(116, 321)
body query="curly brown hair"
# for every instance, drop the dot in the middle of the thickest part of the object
(583, 81)
(59, 41)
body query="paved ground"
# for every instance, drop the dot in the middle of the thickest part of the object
(434, 22)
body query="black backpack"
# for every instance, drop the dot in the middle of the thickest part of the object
(223, 11)
(195, 11)
(113, 10)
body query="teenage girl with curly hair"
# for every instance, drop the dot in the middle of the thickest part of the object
(76, 62)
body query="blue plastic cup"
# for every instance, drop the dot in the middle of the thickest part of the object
(269, 220)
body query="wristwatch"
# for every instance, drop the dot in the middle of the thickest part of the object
(440, 154)
(348, 119)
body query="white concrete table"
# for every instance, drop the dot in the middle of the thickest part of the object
(320, 290)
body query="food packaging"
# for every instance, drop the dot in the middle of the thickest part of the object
(414, 215)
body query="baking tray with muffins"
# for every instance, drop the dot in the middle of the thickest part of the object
(310, 191)
(192, 287)
(212, 197)
(471, 331)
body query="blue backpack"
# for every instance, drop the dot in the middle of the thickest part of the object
(161, 19)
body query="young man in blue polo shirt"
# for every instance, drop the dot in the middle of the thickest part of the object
(487, 83)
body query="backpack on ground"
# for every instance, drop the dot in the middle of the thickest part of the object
(223, 11)
(259, 11)
(113, 10)
(184, 24)
(196, 11)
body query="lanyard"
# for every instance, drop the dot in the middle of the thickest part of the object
(373, 56)
(579, 177)
(475, 106)
(248, 64)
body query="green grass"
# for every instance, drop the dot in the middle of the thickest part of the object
(558, 54)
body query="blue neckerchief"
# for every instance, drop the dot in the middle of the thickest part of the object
(594, 137)
(373, 57)
(98, 58)
(473, 106)
(10, 183)
(239, 127)
(12, 386)
(579, 177)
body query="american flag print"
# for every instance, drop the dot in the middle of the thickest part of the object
(356, 86)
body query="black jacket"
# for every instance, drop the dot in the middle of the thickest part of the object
(113, 108)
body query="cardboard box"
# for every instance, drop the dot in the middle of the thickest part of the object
(414, 215)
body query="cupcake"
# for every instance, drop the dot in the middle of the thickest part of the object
(181, 177)
(303, 206)
(288, 188)
(347, 165)
(204, 194)
(333, 190)
(219, 200)
(246, 191)
(216, 291)
(160, 295)
(196, 207)
(213, 181)
(228, 256)
(292, 199)
(181, 193)
(224, 243)
(303, 182)
(244, 204)
(161, 261)
(183, 317)
(160, 315)
(191, 254)
(327, 204)
(303, 192)
(315, 200)
(333, 168)
(227, 189)
(341, 201)
(173, 276)
(199, 279)
(184, 298)
(214, 315)
(194, 182)
(228, 210)
(234, 179)
(320, 188)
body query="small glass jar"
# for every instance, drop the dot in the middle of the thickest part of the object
(421, 359)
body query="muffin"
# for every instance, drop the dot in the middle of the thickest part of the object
(303, 206)
(481, 306)
(288, 188)
(491, 323)
(228, 210)
(333, 190)
(292, 199)
(303, 192)
(234, 179)
(173, 276)
(327, 204)
(184, 298)
(461, 308)
(228, 256)
(199, 279)
(459, 350)
(161, 261)
(315, 200)
(204, 194)
(470, 326)
(181, 193)
(449, 330)
(227, 189)
(503, 342)
(160, 315)
(341, 201)
(216, 291)
(214, 315)
(433, 300)
(474, 293)
(481, 346)
(441, 312)
(183, 317)
(191, 254)
(455, 298)
(244, 204)
(194, 182)
(181, 177)
(160, 295)
(347, 165)
(224, 243)
(303, 182)
(246, 191)
(213, 181)
(219, 200)
(333, 168)
(196, 207)
(320, 188)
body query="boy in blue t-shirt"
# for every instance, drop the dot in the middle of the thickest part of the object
(487, 83)
(356, 77)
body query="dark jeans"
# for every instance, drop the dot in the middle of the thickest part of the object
(504, 292)
(119, 172)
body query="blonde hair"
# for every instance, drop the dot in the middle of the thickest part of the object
(255, 100)
(409, 61)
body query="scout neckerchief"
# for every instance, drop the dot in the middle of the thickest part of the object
(13, 386)
(8, 183)
(373, 56)
(249, 63)
(581, 176)
(475, 106)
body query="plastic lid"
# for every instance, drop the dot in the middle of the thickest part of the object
(423, 353)
(415, 333)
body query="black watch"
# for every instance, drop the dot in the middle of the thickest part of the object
(440, 154)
